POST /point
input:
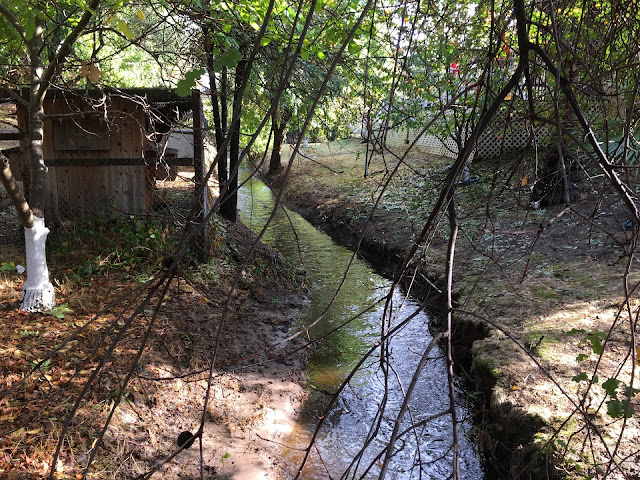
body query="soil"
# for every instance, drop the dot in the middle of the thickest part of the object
(538, 292)
(256, 387)
(523, 280)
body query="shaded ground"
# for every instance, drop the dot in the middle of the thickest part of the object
(543, 327)
(256, 390)
(99, 270)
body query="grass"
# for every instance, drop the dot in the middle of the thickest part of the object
(537, 273)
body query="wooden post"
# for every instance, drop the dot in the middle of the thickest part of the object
(199, 173)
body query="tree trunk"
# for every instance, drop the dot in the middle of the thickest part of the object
(227, 203)
(15, 195)
(215, 96)
(37, 292)
(231, 200)
(275, 163)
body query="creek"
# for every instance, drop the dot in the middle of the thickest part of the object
(422, 453)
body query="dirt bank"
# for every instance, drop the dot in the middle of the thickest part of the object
(256, 389)
(537, 293)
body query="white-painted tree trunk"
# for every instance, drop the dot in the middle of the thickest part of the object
(37, 293)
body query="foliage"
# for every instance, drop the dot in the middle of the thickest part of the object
(59, 311)
(617, 407)
(120, 243)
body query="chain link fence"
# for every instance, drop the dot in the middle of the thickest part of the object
(140, 156)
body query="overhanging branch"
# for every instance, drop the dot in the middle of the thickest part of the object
(603, 162)
(17, 198)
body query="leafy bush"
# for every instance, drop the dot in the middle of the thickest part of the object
(117, 242)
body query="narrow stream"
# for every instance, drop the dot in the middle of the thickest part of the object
(423, 453)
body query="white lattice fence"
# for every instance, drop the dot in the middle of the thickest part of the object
(429, 144)
(502, 137)
(506, 136)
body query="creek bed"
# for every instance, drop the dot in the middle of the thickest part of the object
(347, 433)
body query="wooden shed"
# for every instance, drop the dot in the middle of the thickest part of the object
(102, 148)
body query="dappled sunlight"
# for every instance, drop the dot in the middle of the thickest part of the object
(165, 394)
(552, 279)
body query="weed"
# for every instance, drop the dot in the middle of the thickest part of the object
(29, 333)
(120, 243)
(40, 365)
(59, 311)
(618, 393)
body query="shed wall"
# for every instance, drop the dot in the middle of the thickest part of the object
(80, 191)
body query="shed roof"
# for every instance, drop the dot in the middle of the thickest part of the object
(152, 96)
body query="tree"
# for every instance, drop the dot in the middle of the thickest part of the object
(46, 45)
(40, 39)
(279, 121)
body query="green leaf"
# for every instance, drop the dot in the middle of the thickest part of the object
(582, 357)
(7, 267)
(611, 387)
(304, 54)
(576, 331)
(615, 409)
(83, 5)
(596, 342)
(228, 59)
(580, 377)
(59, 311)
(226, 28)
(265, 41)
(30, 27)
(320, 55)
(124, 29)
(353, 47)
(183, 89)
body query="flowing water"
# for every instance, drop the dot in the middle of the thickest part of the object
(424, 452)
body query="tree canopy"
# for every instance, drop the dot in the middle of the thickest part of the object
(319, 70)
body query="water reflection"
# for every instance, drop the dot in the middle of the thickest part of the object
(422, 452)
